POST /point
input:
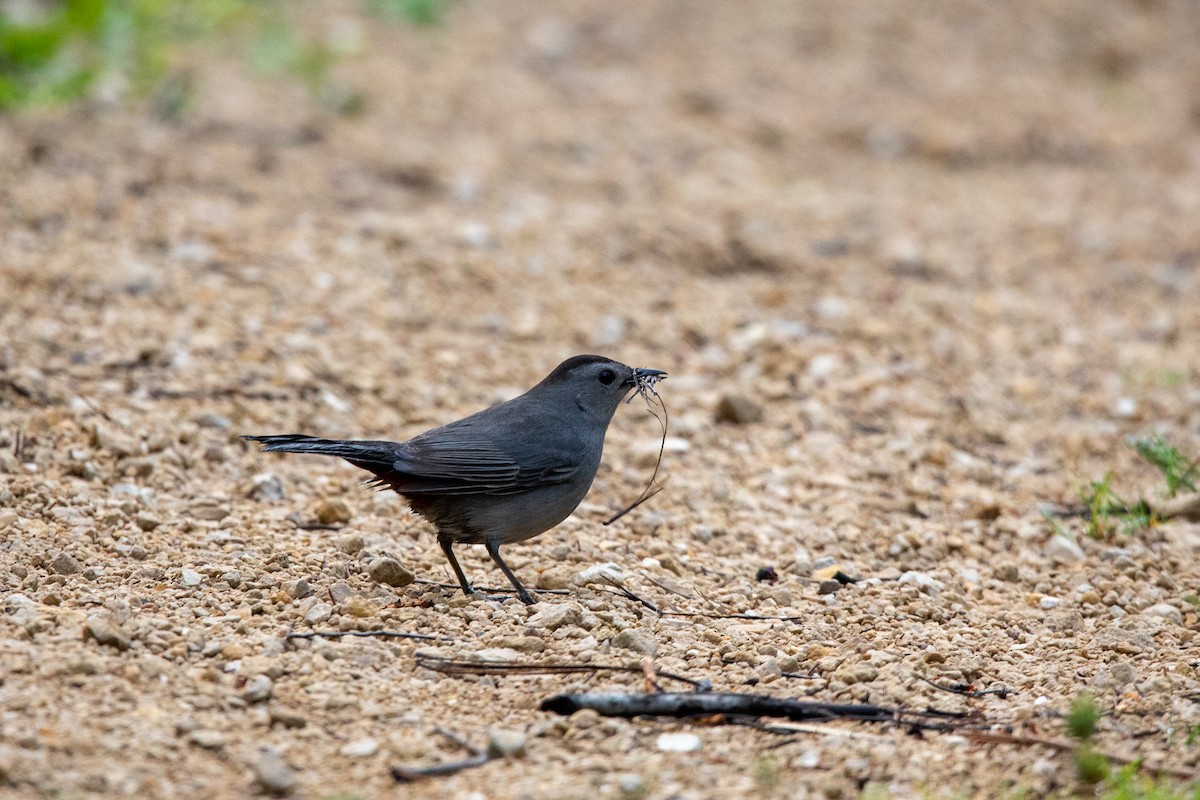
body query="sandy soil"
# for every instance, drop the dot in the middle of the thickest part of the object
(948, 251)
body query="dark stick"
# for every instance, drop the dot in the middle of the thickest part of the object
(505, 590)
(316, 526)
(450, 666)
(966, 691)
(705, 615)
(620, 587)
(477, 758)
(382, 634)
(677, 704)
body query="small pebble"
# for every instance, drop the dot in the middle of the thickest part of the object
(552, 617)
(207, 739)
(65, 564)
(1062, 550)
(677, 743)
(258, 689)
(738, 410)
(361, 748)
(147, 521)
(105, 631)
(298, 588)
(320, 612)
(333, 511)
(505, 743)
(190, 577)
(273, 773)
(266, 486)
(632, 639)
(389, 571)
(352, 545)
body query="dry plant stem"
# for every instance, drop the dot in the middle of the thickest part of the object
(1002, 693)
(477, 758)
(450, 666)
(1068, 745)
(620, 587)
(485, 589)
(646, 388)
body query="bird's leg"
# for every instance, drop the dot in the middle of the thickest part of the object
(447, 543)
(493, 548)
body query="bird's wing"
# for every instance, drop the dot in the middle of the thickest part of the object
(460, 459)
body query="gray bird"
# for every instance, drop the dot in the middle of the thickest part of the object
(504, 474)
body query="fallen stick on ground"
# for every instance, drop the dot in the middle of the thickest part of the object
(695, 704)
(477, 758)
(381, 634)
(451, 666)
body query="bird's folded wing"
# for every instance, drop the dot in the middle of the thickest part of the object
(454, 464)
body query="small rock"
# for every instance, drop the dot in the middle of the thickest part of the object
(505, 744)
(208, 739)
(210, 420)
(1006, 572)
(631, 786)
(333, 511)
(113, 443)
(361, 748)
(298, 588)
(138, 553)
(232, 578)
(340, 592)
(737, 409)
(352, 545)
(190, 577)
(209, 511)
(767, 574)
(266, 486)
(677, 743)
(320, 612)
(258, 689)
(65, 564)
(105, 631)
(1125, 408)
(358, 607)
(553, 617)
(287, 718)
(273, 773)
(147, 521)
(1062, 550)
(599, 573)
(861, 672)
(1165, 611)
(521, 644)
(925, 583)
(633, 639)
(389, 571)
(829, 587)
(1048, 603)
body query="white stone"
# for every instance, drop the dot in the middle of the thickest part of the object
(361, 748)
(1062, 550)
(677, 743)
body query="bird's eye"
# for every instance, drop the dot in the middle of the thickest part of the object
(606, 376)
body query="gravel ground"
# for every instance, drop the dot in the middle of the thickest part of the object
(914, 271)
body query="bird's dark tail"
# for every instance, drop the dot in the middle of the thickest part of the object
(374, 456)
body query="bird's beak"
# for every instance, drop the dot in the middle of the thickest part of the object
(642, 373)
